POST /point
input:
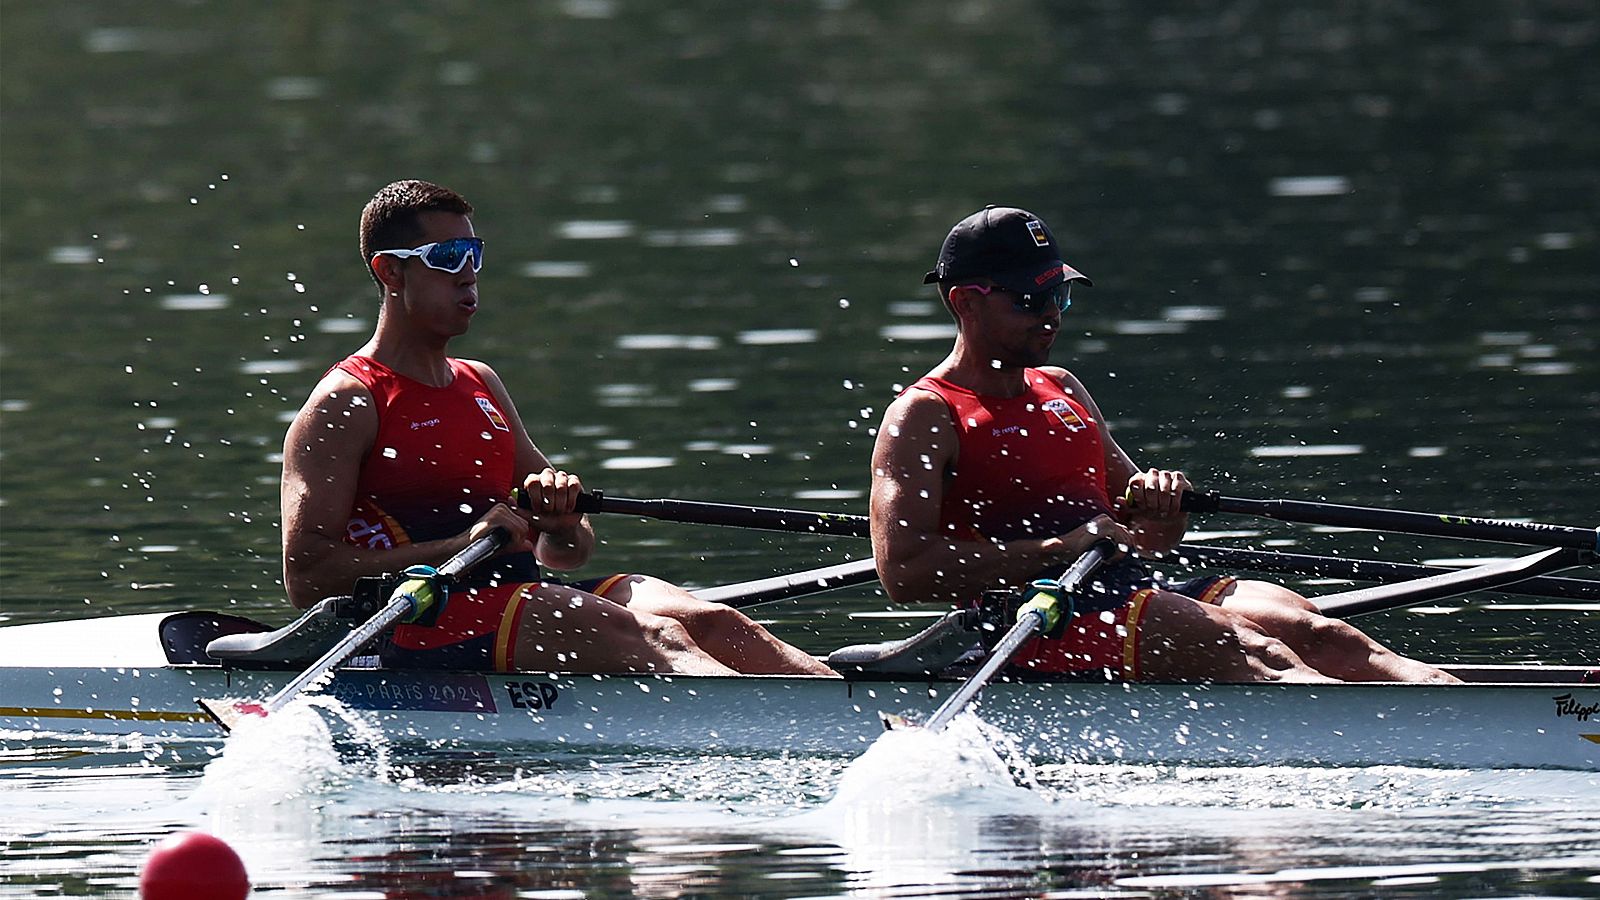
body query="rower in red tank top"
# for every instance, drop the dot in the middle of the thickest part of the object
(403, 456)
(423, 481)
(1033, 465)
(418, 459)
(998, 468)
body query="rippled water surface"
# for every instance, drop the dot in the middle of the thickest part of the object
(1345, 254)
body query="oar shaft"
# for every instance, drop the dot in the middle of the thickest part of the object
(1018, 635)
(1433, 524)
(338, 653)
(1449, 584)
(795, 584)
(696, 512)
(1368, 570)
(397, 607)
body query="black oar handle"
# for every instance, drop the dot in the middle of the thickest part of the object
(698, 513)
(1434, 524)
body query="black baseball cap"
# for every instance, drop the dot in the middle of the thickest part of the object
(1009, 246)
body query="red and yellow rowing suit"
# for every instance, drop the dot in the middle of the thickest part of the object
(1034, 466)
(442, 457)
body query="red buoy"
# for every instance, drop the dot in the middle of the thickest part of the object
(193, 866)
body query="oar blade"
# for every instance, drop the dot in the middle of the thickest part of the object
(229, 713)
(896, 722)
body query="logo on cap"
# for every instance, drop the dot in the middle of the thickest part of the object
(1036, 228)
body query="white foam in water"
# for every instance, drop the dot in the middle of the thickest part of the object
(907, 769)
(913, 808)
(274, 758)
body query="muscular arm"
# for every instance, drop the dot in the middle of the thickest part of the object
(322, 456)
(1153, 516)
(565, 538)
(917, 561)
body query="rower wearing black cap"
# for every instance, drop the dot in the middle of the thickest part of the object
(997, 468)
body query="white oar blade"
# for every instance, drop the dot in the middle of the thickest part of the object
(229, 713)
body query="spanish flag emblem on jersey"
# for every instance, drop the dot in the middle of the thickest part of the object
(1063, 411)
(495, 419)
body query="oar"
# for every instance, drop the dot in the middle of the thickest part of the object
(1369, 570)
(696, 512)
(1436, 524)
(798, 584)
(401, 603)
(1491, 576)
(1365, 517)
(811, 522)
(1034, 617)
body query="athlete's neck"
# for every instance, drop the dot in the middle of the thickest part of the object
(423, 361)
(981, 376)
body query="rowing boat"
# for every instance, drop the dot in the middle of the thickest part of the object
(143, 674)
(117, 676)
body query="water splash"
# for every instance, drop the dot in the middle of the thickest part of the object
(913, 807)
(969, 763)
(293, 754)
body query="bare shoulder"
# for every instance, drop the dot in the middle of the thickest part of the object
(1068, 381)
(338, 407)
(336, 392)
(915, 415)
(916, 426)
(485, 371)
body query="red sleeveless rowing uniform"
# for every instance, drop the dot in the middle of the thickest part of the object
(1026, 466)
(442, 457)
(1034, 466)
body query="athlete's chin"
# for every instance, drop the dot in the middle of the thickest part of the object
(1037, 356)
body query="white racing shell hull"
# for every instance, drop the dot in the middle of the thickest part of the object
(1511, 723)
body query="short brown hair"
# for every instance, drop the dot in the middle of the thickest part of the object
(390, 220)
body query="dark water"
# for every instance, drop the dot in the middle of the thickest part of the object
(1342, 253)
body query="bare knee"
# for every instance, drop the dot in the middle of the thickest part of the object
(1338, 636)
(1272, 651)
(1186, 640)
(716, 621)
(664, 631)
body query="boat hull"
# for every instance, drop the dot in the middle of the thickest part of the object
(1554, 725)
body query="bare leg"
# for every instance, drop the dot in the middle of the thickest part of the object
(567, 630)
(722, 631)
(1181, 639)
(1332, 646)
